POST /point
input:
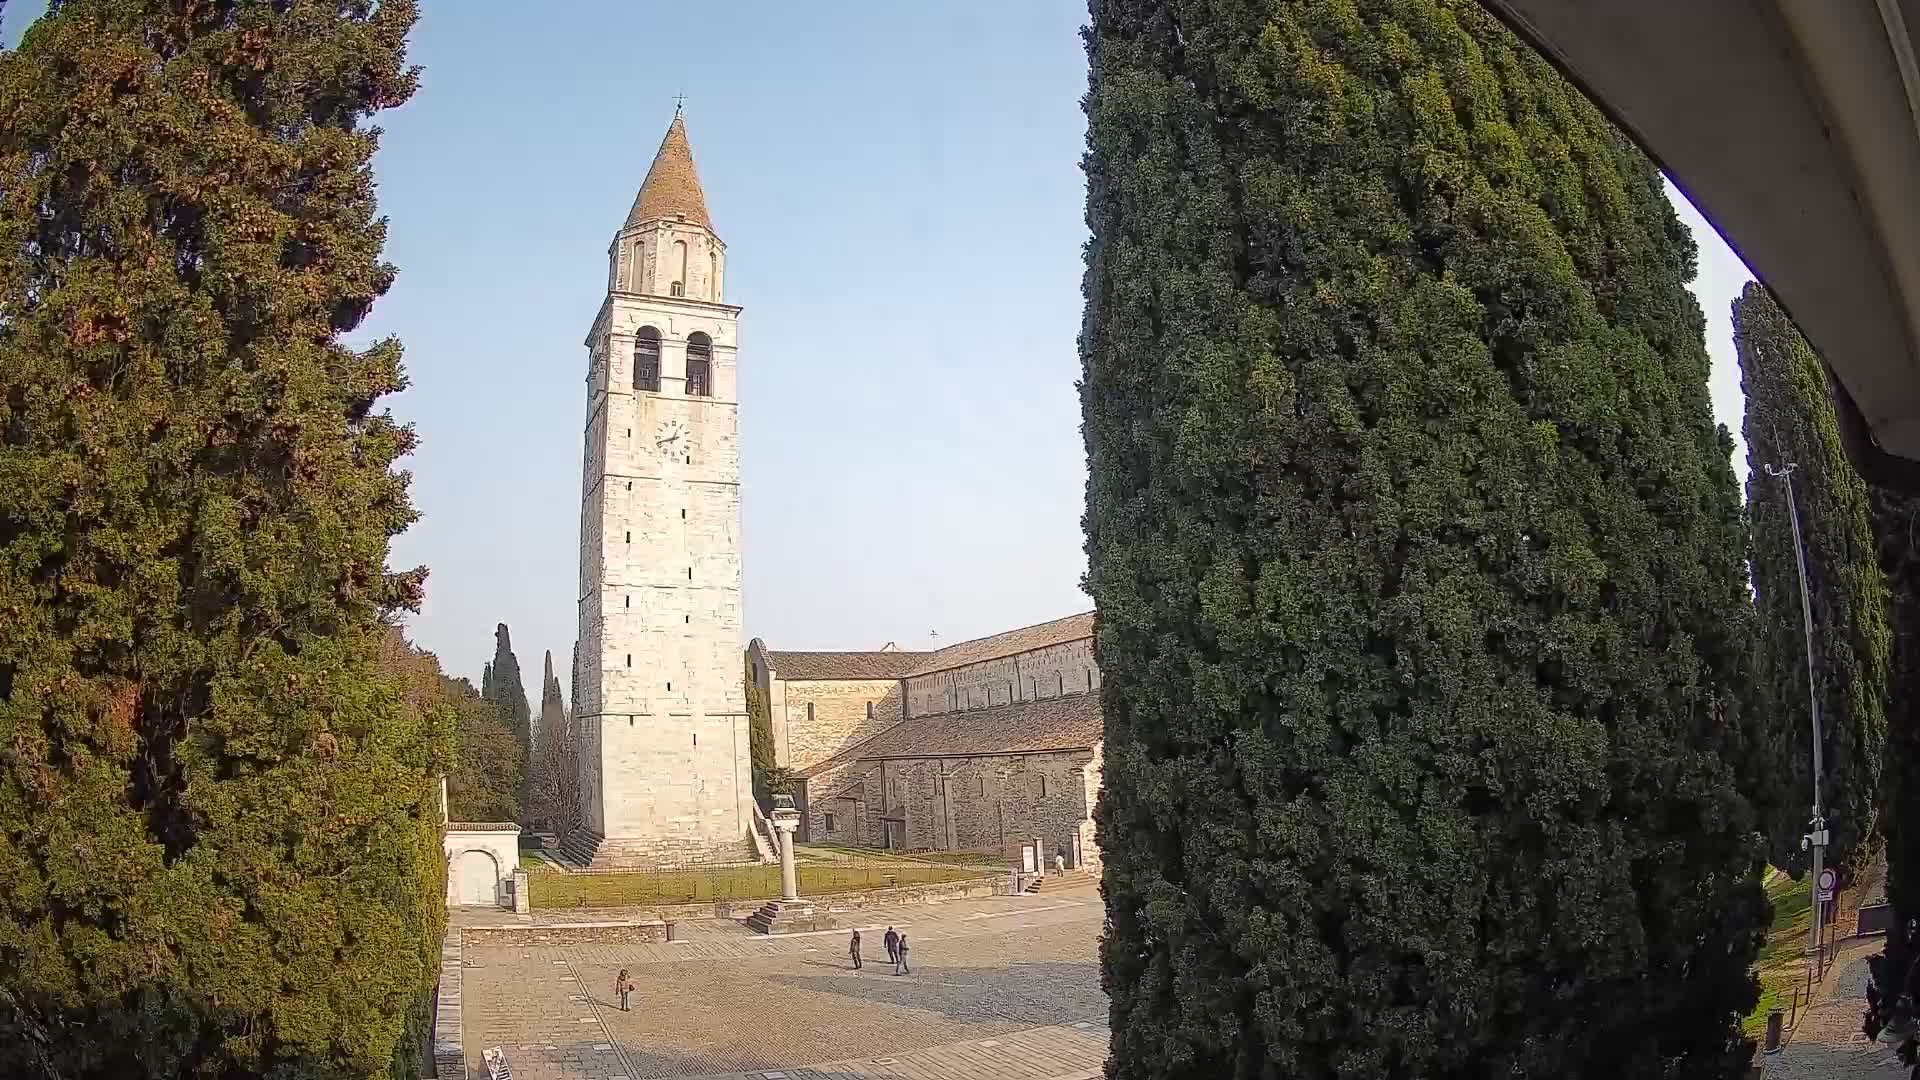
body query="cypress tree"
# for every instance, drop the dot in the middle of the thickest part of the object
(508, 691)
(219, 845)
(1790, 419)
(486, 681)
(1418, 561)
(552, 707)
(760, 749)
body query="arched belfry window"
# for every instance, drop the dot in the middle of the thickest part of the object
(646, 360)
(679, 287)
(699, 365)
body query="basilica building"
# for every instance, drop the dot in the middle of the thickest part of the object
(992, 745)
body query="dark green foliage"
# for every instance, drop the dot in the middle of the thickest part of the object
(1896, 527)
(219, 852)
(486, 681)
(489, 768)
(510, 698)
(1790, 419)
(552, 707)
(553, 773)
(1418, 560)
(759, 736)
(509, 694)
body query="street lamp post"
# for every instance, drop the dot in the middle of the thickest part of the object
(1816, 840)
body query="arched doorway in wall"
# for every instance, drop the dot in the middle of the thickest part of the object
(476, 876)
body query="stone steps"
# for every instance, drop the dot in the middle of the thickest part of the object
(1050, 882)
(789, 917)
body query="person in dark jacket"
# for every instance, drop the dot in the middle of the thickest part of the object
(853, 949)
(892, 942)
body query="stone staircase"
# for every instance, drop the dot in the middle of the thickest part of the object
(764, 844)
(1053, 882)
(789, 917)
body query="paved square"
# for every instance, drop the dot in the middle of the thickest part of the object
(985, 973)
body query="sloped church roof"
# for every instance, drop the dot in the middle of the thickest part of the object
(672, 186)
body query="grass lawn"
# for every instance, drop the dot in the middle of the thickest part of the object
(1783, 958)
(551, 889)
(530, 860)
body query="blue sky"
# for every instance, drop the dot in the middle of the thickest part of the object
(899, 190)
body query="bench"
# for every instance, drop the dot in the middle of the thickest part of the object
(497, 1067)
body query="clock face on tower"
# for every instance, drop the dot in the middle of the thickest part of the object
(671, 441)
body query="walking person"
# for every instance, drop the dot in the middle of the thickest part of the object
(892, 942)
(623, 989)
(900, 958)
(853, 949)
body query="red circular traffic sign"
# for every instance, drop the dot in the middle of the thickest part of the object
(1827, 880)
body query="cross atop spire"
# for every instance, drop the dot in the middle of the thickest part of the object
(679, 102)
(672, 186)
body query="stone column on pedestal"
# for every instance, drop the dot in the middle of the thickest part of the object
(790, 914)
(785, 823)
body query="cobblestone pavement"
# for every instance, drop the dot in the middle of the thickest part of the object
(1827, 1042)
(1002, 987)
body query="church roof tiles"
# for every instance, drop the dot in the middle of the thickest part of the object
(828, 666)
(895, 664)
(1071, 722)
(672, 186)
(1025, 639)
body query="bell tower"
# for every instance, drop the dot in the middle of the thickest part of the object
(664, 774)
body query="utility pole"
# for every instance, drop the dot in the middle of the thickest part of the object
(1816, 840)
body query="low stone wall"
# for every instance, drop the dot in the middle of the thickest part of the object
(449, 1050)
(843, 901)
(588, 933)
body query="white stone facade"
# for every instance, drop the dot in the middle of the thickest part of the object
(481, 859)
(661, 709)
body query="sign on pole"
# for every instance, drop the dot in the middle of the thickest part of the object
(1827, 882)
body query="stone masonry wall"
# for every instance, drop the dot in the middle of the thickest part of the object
(823, 718)
(1094, 774)
(1028, 676)
(988, 803)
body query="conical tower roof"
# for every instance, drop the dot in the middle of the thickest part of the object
(672, 186)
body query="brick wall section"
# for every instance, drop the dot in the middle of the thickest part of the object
(839, 719)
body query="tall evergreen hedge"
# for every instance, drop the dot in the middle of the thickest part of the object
(1896, 527)
(1418, 560)
(1790, 419)
(219, 852)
